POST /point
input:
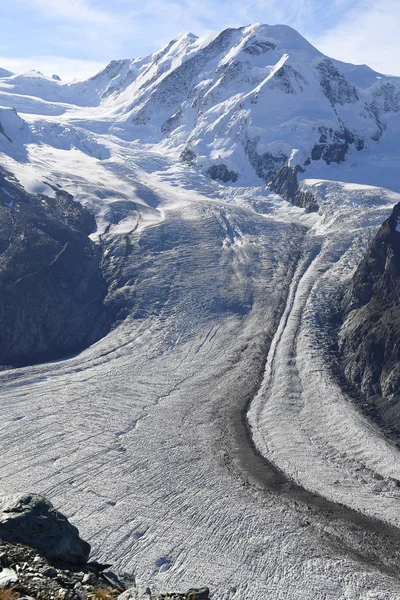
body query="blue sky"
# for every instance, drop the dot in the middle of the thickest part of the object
(77, 37)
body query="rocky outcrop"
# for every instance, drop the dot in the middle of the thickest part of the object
(370, 336)
(335, 86)
(284, 182)
(333, 145)
(288, 80)
(51, 284)
(43, 557)
(258, 47)
(32, 520)
(222, 173)
(265, 164)
(32, 575)
(188, 156)
(172, 122)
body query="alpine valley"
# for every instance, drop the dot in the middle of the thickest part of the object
(199, 319)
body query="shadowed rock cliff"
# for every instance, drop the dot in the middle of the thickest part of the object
(51, 285)
(370, 336)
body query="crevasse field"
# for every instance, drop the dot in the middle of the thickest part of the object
(205, 440)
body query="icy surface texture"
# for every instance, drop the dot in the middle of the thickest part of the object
(225, 300)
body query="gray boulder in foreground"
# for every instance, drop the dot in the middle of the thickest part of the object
(32, 520)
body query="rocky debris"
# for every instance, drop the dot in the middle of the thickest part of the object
(32, 520)
(51, 285)
(42, 557)
(192, 594)
(31, 575)
(35, 576)
(113, 580)
(370, 334)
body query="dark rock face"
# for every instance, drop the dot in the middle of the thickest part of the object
(258, 47)
(51, 284)
(284, 183)
(334, 85)
(266, 164)
(333, 145)
(4, 133)
(172, 122)
(370, 335)
(32, 520)
(287, 79)
(222, 173)
(188, 156)
(281, 178)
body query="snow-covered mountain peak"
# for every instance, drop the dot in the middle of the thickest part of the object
(185, 36)
(237, 105)
(216, 292)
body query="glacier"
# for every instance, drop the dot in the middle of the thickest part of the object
(205, 439)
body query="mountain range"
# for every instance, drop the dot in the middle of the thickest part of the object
(199, 275)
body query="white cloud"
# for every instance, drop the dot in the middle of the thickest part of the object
(71, 10)
(66, 68)
(360, 31)
(368, 34)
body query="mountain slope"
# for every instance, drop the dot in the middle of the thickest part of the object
(239, 106)
(182, 440)
(254, 99)
(370, 335)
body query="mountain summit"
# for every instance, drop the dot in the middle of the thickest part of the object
(240, 105)
(196, 410)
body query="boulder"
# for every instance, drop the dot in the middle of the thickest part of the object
(32, 520)
(8, 578)
(198, 594)
(113, 580)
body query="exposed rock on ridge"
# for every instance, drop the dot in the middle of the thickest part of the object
(284, 182)
(369, 337)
